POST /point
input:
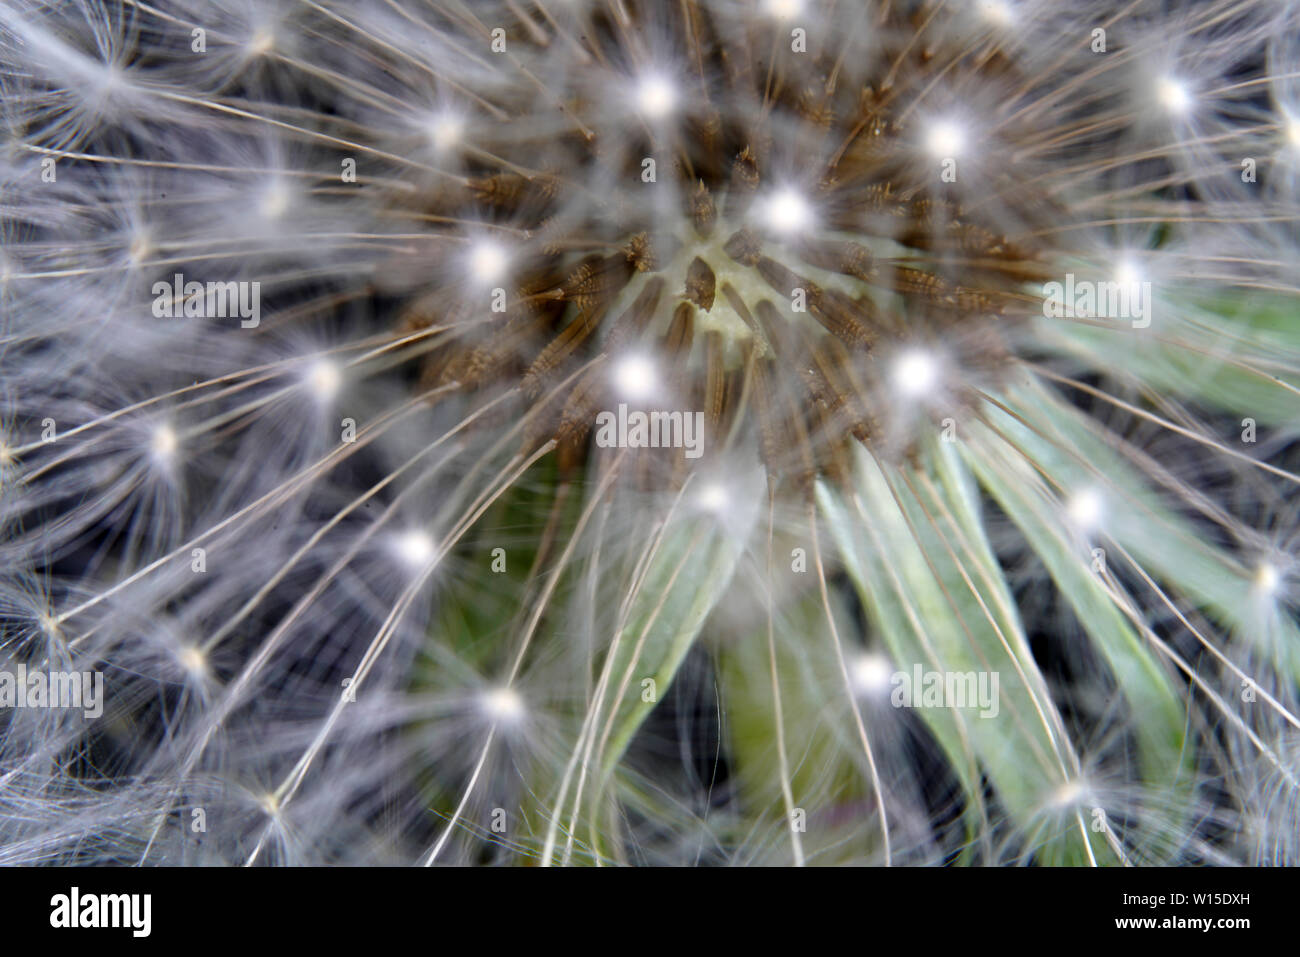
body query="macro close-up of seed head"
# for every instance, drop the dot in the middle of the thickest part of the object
(689, 432)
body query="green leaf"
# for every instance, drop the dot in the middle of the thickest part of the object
(938, 599)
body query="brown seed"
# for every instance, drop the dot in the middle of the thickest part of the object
(715, 384)
(640, 255)
(842, 256)
(916, 282)
(701, 284)
(744, 247)
(677, 341)
(634, 320)
(704, 213)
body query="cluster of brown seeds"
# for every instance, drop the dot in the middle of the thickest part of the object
(890, 258)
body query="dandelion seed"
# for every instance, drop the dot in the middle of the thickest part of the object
(415, 548)
(1127, 273)
(783, 9)
(1267, 580)
(915, 373)
(998, 12)
(140, 250)
(261, 42)
(49, 625)
(871, 674)
(945, 138)
(1173, 95)
(747, 208)
(193, 660)
(655, 97)
(635, 378)
(323, 379)
(1292, 127)
(1130, 277)
(714, 498)
(163, 445)
(503, 705)
(446, 131)
(274, 202)
(487, 262)
(787, 212)
(1086, 510)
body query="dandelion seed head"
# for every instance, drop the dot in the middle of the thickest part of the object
(1069, 795)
